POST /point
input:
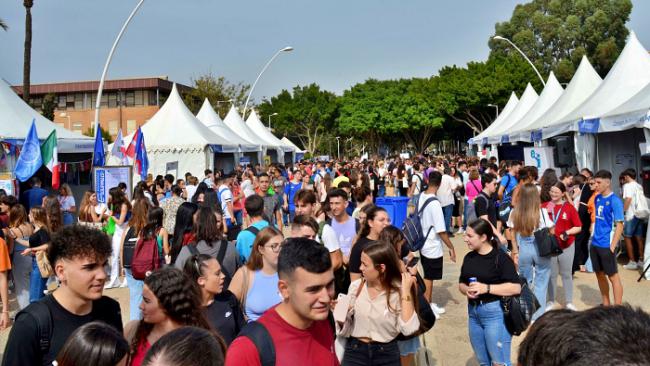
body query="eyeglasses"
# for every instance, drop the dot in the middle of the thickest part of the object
(274, 247)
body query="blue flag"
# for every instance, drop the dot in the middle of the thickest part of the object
(141, 160)
(98, 151)
(30, 159)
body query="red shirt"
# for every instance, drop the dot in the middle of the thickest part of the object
(567, 219)
(313, 346)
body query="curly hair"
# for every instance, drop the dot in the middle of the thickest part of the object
(180, 299)
(78, 241)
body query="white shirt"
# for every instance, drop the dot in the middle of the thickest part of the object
(544, 219)
(432, 217)
(417, 179)
(247, 188)
(629, 191)
(66, 202)
(225, 196)
(190, 189)
(329, 239)
(445, 191)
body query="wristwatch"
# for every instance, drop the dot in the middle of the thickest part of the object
(488, 288)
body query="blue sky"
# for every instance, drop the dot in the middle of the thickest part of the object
(337, 42)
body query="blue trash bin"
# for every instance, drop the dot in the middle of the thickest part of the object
(396, 207)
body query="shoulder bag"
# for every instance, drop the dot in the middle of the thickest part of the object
(547, 245)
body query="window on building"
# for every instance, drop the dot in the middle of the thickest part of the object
(130, 98)
(78, 101)
(62, 102)
(77, 127)
(104, 103)
(69, 101)
(112, 100)
(131, 126)
(138, 97)
(152, 97)
(113, 127)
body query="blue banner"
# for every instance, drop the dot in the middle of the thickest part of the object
(100, 186)
(30, 159)
(589, 125)
(535, 135)
(99, 158)
(505, 139)
(485, 140)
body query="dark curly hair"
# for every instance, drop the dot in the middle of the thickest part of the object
(179, 347)
(180, 299)
(77, 241)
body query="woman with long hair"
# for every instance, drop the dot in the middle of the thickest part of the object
(120, 214)
(37, 242)
(402, 180)
(376, 220)
(526, 175)
(486, 275)
(68, 206)
(129, 240)
(183, 234)
(459, 192)
(19, 228)
(54, 213)
(170, 300)
(567, 225)
(197, 198)
(525, 219)
(221, 306)
(383, 305)
(95, 343)
(256, 284)
(88, 209)
(155, 228)
(548, 180)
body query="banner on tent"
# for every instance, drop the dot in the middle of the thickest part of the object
(505, 139)
(106, 177)
(589, 125)
(244, 160)
(535, 135)
(485, 141)
(172, 168)
(539, 157)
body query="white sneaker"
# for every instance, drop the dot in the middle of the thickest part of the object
(460, 231)
(124, 284)
(571, 307)
(437, 309)
(631, 265)
(640, 264)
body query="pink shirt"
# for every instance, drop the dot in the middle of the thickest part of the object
(472, 189)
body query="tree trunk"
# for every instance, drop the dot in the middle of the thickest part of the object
(28, 48)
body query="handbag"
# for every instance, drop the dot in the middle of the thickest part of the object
(518, 310)
(547, 245)
(43, 264)
(424, 312)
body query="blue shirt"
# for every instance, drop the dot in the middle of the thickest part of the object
(508, 181)
(245, 240)
(609, 210)
(290, 190)
(33, 197)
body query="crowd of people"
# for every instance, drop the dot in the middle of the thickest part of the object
(298, 265)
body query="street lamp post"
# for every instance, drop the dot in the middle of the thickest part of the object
(64, 114)
(523, 54)
(338, 147)
(286, 49)
(223, 101)
(495, 106)
(274, 114)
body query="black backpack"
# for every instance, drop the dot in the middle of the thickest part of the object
(44, 324)
(220, 256)
(518, 310)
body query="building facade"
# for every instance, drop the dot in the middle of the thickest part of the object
(126, 104)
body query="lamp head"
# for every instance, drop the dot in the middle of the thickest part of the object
(499, 38)
(275, 114)
(287, 49)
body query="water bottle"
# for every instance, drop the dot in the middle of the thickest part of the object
(472, 280)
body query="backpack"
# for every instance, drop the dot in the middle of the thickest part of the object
(641, 210)
(505, 207)
(471, 208)
(130, 241)
(44, 325)
(220, 256)
(412, 227)
(146, 258)
(425, 313)
(518, 310)
(423, 185)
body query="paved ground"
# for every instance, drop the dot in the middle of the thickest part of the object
(448, 341)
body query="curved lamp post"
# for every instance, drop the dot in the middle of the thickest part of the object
(286, 49)
(274, 114)
(523, 54)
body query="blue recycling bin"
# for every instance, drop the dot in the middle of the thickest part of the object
(396, 207)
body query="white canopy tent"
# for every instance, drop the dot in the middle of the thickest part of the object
(509, 107)
(526, 102)
(234, 121)
(552, 91)
(209, 117)
(16, 118)
(254, 123)
(176, 140)
(635, 113)
(628, 76)
(583, 84)
(289, 142)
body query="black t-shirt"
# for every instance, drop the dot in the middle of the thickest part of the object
(39, 238)
(23, 344)
(493, 268)
(225, 316)
(355, 254)
(484, 205)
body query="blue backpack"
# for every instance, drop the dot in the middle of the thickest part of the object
(412, 227)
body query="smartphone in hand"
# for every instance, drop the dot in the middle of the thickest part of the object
(413, 262)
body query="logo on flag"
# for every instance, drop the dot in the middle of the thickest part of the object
(30, 159)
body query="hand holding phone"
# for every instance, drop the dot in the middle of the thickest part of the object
(413, 262)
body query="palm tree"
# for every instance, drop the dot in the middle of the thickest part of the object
(3, 25)
(27, 61)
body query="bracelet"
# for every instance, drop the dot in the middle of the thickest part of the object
(407, 298)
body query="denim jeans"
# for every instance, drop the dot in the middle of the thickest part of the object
(68, 218)
(381, 191)
(465, 212)
(21, 269)
(358, 353)
(135, 295)
(488, 334)
(447, 211)
(36, 282)
(239, 217)
(536, 270)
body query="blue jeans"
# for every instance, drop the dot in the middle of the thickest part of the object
(488, 334)
(381, 191)
(135, 295)
(68, 218)
(37, 284)
(536, 270)
(239, 217)
(447, 211)
(465, 212)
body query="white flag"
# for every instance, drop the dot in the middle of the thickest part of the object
(119, 149)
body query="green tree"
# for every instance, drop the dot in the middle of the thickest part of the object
(27, 59)
(306, 113)
(49, 105)
(105, 135)
(555, 34)
(215, 89)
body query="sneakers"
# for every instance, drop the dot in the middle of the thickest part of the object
(640, 264)
(124, 284)
(437, 309)
(631, 265)
(571, 307)
(460, 231)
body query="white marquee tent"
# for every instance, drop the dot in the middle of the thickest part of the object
(253, 122)
(635, 113)
(209, 117)
(234, 121)
(526, 102)
(289, 142)
(509, 107)
(16, 118)
(552, 91)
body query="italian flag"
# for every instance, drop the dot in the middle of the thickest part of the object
(50, 158)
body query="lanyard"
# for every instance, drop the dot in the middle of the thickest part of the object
(556, 217)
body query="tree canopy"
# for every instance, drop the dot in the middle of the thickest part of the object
(216, 89)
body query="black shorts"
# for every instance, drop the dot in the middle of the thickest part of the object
(432, 267)
(603, 260)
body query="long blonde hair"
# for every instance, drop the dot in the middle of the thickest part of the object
(525, 217)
